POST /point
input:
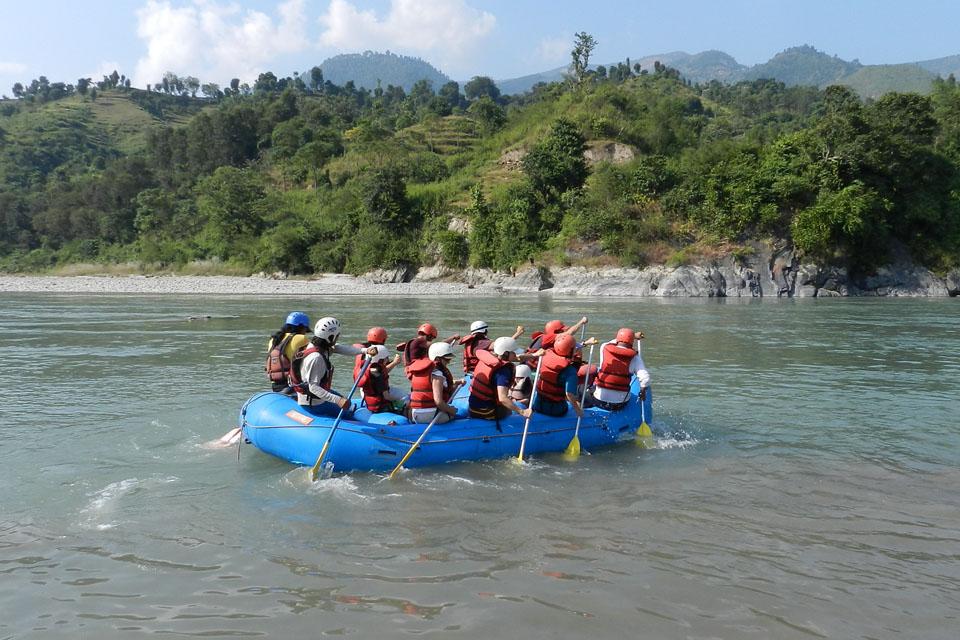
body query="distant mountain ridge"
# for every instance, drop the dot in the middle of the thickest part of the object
(803, 65)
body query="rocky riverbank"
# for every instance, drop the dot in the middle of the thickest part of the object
(765, 273)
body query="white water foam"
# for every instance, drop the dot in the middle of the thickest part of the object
(103, 503)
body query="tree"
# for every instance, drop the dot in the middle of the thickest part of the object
(316, 79)
(192, 84)
(450, 92)
(556, 164)
(583, 46)
(481, 86)
(266, 83)
(18, 90)
(82, 85)
(490, 115)
(235, 86)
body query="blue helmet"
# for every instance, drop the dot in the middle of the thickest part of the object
(298, 319)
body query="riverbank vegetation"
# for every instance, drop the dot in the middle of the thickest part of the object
(300, 175)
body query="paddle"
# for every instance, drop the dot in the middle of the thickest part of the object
(420, 439)
(526, 423)
(231, 437)
(644, 434)
(573, 449)
(315, 471)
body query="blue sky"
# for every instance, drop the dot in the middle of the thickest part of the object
(216, 40)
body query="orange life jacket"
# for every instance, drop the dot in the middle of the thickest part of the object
(548, 382)
(483, 387)
(375, 386)
(420, 372)
(615, 369)
(584, 372)
(297, 382)
(277, 363)
(471, 345)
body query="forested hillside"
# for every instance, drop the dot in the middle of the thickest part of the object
(304, 177)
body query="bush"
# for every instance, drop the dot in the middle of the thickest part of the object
(454, 250)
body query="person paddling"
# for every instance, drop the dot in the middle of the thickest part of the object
(432, 385)
(477, 340)
(557, 383)
(375, 336)
(283, 346)
(418, 347)
(492, 378)
(311, 372)
(619, 362)
(375, 382)
(552, 330)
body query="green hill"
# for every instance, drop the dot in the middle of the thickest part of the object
(371, 69)
(803, 66)
(876, 80)
(337, 178)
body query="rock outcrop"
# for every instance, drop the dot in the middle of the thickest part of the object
(769, 271)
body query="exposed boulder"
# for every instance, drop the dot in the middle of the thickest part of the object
(609, 151)
(384, 276)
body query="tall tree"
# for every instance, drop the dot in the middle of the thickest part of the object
(583, 46)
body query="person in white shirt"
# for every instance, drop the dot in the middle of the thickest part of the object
(315, 375)
(619, 362)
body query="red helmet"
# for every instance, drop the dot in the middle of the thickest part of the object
(377, 335)
(428, 330)
(625, 335)
(554, 326)
(564, 345)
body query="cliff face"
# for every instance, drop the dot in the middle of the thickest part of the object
(769, 272)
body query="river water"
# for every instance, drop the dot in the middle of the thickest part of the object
(806, 482)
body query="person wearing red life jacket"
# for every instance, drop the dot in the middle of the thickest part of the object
(375, 336)
(418, 347)
(431, 386)
(552, 330)
(311, 372)
(283, 346)
(619, 362)
(557, 383)
(375, 382)
(477, 340)
(490, 389)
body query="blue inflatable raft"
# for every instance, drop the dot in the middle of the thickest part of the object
(277, 425)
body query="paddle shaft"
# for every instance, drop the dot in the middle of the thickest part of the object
(420, 439)
(583, 395)
(323, 452)
(526, 423)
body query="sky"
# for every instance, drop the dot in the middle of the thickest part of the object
(216, 40)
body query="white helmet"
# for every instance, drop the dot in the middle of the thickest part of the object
(327, 328)
(478, 327)
(439, 350)
(522, 371)
(505, 344)
(383, 354)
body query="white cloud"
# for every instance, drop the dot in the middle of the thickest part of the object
(555, 50)
(216, 40)
(11, 68)
(447, 30)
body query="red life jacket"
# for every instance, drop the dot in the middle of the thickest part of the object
(297, 382)
(483, 387)
(615, 369)
(374, 387)
(471, 345)
(584, 371)
(277, 363)
(420, 372)
(548, 382)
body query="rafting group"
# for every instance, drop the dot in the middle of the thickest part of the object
(502, 376)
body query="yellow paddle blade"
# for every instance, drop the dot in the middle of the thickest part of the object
(315, 470)
(572, 451)
(644, 438)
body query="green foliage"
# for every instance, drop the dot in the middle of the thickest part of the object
(556, 164)
(302, 174)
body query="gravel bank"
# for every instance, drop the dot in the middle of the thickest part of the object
(227, 285)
